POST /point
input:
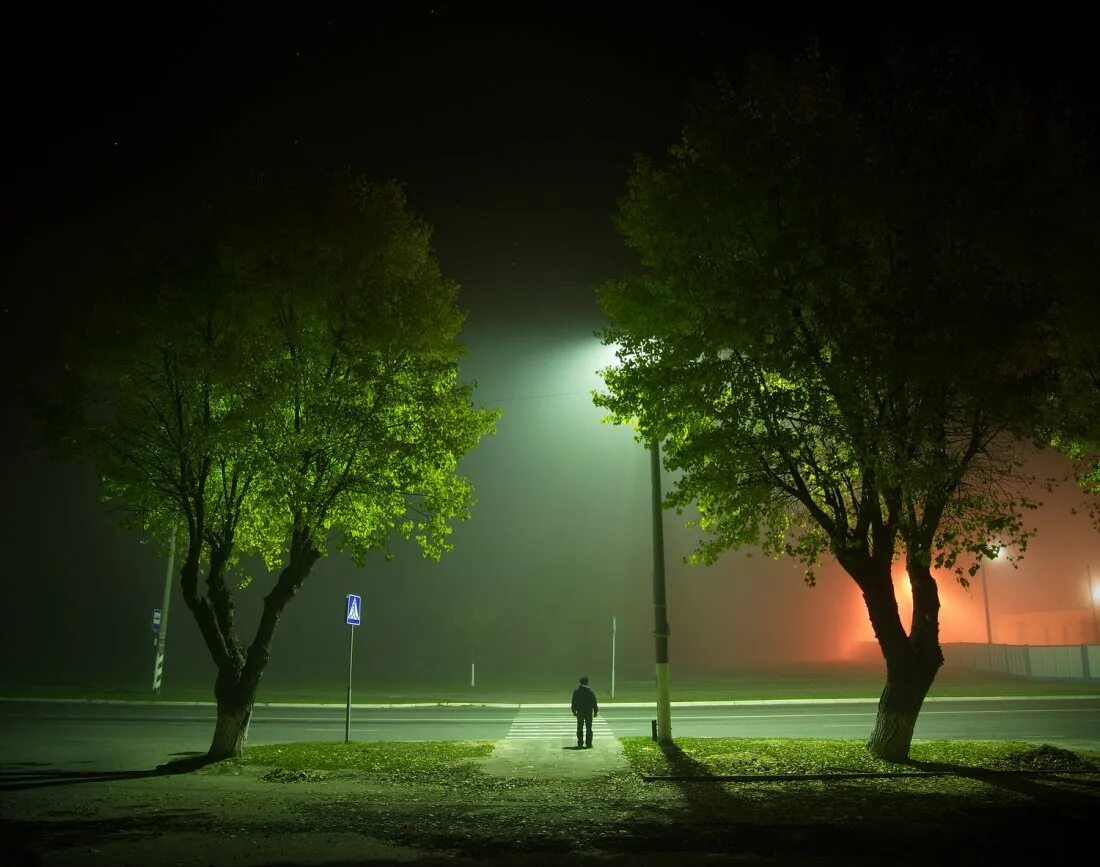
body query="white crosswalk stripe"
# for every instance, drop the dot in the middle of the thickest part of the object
(538, 724)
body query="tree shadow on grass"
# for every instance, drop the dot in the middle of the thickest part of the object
(1053, 804)
(1056, 786)
(783, 818)
(713, 818)
(23, 776)
(724, 818)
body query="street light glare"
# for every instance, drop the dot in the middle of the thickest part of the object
(606, 355)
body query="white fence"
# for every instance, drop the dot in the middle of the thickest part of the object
(1065, 661)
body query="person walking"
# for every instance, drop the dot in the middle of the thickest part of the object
(584, 707)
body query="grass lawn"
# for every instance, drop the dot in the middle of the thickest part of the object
(706, 801)
(797, 798)
(434, 761)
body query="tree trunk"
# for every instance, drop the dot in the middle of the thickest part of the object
(911, 663)
(238, 680)
(235, 696)
(907, 683)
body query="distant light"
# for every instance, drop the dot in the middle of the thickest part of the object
(1095, 593)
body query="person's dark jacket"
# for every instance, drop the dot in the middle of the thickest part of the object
(584, 700)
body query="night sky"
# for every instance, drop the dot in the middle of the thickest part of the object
(514, 136)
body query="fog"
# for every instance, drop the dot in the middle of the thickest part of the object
(516, 154)
(558, 544)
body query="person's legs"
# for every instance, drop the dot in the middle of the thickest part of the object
(580, 729)
(588, 729)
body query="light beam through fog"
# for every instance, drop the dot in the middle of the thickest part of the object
(558, 544)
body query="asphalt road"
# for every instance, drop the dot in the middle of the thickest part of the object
(99, 737)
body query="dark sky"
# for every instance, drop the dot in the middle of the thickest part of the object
(514, 132)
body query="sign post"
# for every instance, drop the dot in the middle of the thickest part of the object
(160, 619)
(352, 616)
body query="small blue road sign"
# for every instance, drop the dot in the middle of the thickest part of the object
(354, 606)
(156, 620)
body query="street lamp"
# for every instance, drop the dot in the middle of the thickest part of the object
(663, 722)
(985, 599)
(660, 609)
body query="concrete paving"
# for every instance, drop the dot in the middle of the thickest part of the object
(555, 757)
(542, 743)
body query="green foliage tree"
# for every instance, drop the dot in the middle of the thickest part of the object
(840, 330)
(275, 375)
(1073, 421)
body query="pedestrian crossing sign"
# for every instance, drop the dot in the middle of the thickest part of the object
(354, 606)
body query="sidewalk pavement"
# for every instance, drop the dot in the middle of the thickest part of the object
(554, 757)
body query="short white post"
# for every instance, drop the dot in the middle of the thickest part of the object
(612, 657)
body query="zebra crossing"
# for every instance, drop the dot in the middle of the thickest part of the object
(551, 723)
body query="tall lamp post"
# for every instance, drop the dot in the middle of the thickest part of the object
(663, 734)
(660, 609)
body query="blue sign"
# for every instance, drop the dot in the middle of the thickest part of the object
(355, 604)
(156, 620)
